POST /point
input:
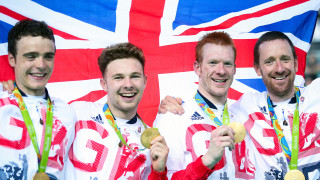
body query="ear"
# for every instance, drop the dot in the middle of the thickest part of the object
(145, 80)
(103, 84)
(257, 69)
(196, 68)
(12, 60)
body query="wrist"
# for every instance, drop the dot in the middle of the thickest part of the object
(208, 161)
(159, 170)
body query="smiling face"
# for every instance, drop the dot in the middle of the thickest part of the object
(33, 64)
(124, 81)
(277, 67)
(215, 72)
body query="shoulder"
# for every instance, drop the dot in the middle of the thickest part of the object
(166, 119)
(59, 102)
(249, 103)
(310, 95)
(63, 109)
(4, 94)
(61, 105)
(189, 106)
(250, 99)
(313, 87)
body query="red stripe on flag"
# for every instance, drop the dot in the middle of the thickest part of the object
(233, 94)
(230, 22)
(302, 55)
(76, 64)
(12, 14)
(92, 96)
(20, 17)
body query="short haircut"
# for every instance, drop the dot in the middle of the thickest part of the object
(218, 38)
(270, 36)
(27, 28)
(120, 51)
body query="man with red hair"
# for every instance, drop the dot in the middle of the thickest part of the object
(197, 139)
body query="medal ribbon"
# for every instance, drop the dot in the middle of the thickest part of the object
(292, 157)
(113, 124)
(48, 130)
(204, 106)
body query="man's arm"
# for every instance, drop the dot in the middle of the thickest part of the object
(202, 167)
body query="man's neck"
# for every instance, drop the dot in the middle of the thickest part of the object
(38, 92)
(217, 100)
(121, 114)
(277, 98)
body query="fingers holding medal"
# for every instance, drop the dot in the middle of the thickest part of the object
(151, 139)
(148, 135)
(240, 131)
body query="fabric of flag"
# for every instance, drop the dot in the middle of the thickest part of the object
(167, 32)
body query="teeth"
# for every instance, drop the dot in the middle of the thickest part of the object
(38, 75)
(220, 81)
(128, 94)
(280, 78)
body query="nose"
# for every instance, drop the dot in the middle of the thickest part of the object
(280, 68)
(221, 69)
(128, 83)
(40, 62)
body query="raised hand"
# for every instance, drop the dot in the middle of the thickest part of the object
(220, 138)
(159, 153)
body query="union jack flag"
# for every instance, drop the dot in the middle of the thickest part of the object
(166, 30)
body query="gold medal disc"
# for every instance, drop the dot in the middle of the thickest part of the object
(41, 176)
(148, 135)
(294, 175)
(240, 131)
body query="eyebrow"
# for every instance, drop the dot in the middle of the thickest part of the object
(37, 53)
(285, 56)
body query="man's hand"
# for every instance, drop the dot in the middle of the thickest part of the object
(220, 138)
(159, 153)
(8, 86)
(171, 104)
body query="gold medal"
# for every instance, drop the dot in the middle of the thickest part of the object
(240, 131)
(148, 135)
(294, 175)
(41, 176)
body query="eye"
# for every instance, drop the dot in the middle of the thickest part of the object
(286, 59)
(229, 64)
(30, 56)
(268, 61)
(49, 57)
(213, 62)
(118, 77)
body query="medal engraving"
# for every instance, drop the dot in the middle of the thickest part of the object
(148, 135)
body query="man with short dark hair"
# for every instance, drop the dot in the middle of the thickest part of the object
(107, 140)
(36, 130)
(283, 122)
